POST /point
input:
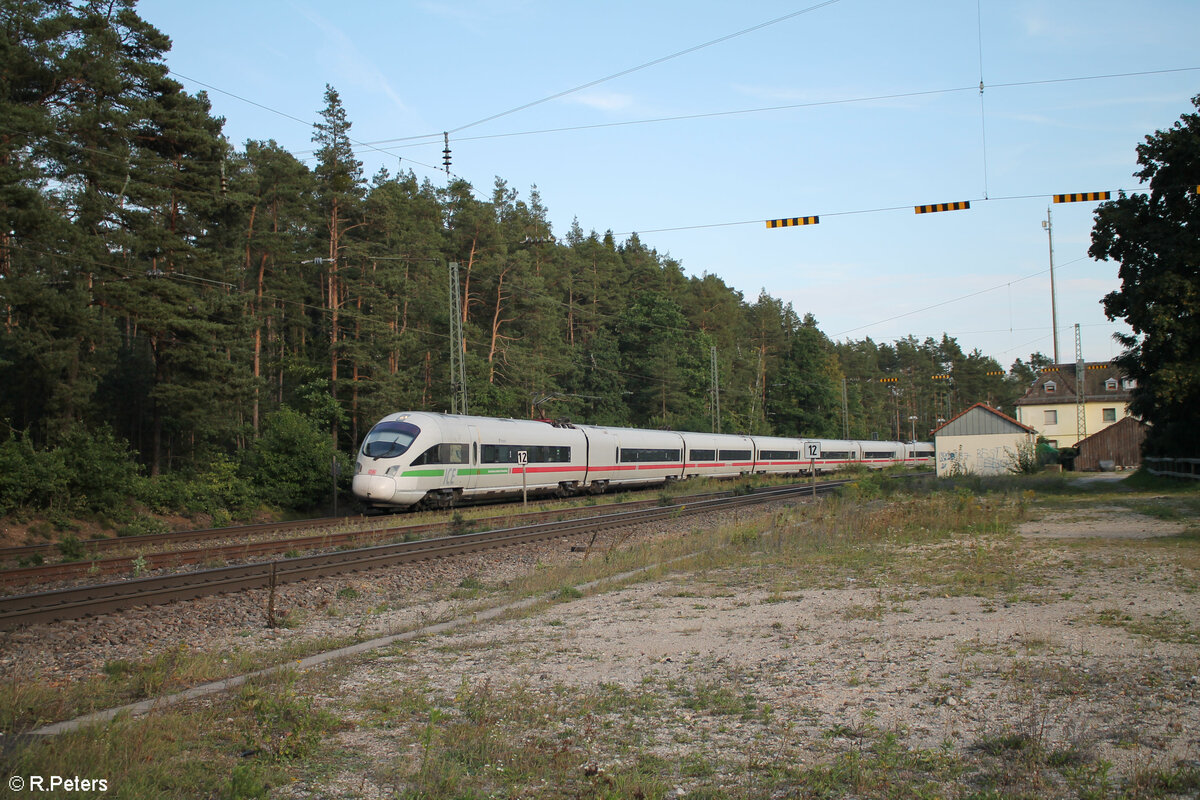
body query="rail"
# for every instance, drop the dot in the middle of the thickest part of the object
(62, 604)
(1174, 467)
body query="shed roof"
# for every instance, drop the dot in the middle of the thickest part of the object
(981, 420)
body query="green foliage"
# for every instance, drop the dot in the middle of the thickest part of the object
(1152, 236)
(1026, 460)
(218, 489)
(143, 525)
(288, 726)
(84, 472)
(30, 478)
(291, 463)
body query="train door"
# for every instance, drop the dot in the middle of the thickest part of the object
(601, 456)
(468, 473)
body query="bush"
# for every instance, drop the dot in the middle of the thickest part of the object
(143, 525)
(219, 490)
(84, 471)
(290, 463)
(30, 478)
(101, 471)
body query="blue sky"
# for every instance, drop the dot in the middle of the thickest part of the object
(874, 108)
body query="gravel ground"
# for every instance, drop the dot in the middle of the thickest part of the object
(949, 672)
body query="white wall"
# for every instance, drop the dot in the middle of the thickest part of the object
(978, 455)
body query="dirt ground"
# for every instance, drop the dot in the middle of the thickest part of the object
(1099, 662)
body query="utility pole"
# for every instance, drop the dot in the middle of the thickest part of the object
(1053, 299)
(458, 347)
(1080, 394)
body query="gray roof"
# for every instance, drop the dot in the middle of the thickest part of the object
(981, 420)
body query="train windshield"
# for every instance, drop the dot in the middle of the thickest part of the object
(389, 439)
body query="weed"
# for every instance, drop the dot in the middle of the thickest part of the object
(71, 548)
(568, 593)
(459, 525)
(287, 726)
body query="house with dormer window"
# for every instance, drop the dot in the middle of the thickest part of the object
(1050, 405)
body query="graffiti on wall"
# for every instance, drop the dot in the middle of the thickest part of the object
(982, 461)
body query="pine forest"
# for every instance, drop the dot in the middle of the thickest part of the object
(199, 325)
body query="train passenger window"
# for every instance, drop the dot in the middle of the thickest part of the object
(389, 439)
(430, 456)
(542, 454)
(537, 453)
(646, 454)
(499, 454)
(880, 454)
(778, 455)
(736, 455)
(835, 454)
(702, 455)
(443, 454)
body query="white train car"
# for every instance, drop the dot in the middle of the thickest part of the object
(779, 456)
(631, 457)
(718, 455)
(919, 454)
(882, 454)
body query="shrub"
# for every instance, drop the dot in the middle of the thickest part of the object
(290, 463)
(143, 525)
(30, 478)
(100, 469)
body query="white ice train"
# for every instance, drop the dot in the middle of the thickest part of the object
(434, 460)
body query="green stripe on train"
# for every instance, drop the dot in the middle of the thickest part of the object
(438, 473)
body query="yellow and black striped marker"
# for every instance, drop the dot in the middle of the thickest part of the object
(934, 208)
(888, 380)
(1081, 197)
(790, 221)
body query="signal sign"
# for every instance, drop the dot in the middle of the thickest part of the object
(888, 380)
(1081, 197)
(934, 208)
(941, 377)
(790, 221)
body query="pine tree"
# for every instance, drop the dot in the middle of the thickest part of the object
(339, 191)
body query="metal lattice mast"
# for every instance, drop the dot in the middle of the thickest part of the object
(1080, 393)
(458, 347)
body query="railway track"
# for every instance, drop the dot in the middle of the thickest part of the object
(72, 603)
(137, 559)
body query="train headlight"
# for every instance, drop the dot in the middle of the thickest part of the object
(391, 471)
(357, 467)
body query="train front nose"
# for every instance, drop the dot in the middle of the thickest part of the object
(374, 487)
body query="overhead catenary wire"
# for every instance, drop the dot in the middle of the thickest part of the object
(646, 65)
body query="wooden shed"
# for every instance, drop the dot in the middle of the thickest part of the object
(1117, 446)
(980, 441)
